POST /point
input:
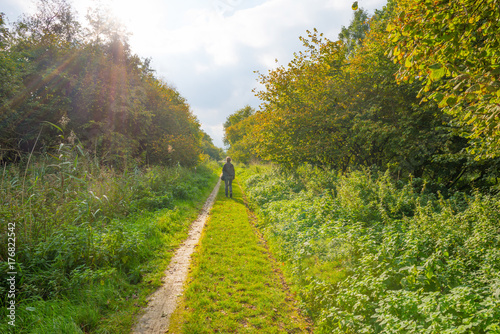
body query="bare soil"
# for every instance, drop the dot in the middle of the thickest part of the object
(163, 302)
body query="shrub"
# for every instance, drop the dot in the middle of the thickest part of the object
(88, 232)
(367, 254)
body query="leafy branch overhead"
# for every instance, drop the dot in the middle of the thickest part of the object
(428, 107)
(454, 49)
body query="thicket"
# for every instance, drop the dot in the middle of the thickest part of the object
(367, 254)
(91, 240)
(84, 78)
(403, 90)
(453, 49)
(236, 128)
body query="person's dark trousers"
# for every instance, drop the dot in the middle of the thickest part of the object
(229, 187)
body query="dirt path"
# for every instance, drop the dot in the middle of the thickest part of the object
(162, 303)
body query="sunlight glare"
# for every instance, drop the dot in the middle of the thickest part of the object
(138, 17)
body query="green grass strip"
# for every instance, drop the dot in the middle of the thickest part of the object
(234, 286)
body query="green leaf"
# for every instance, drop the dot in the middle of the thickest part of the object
(451, 101)
(52, 124)
(408, 62)
(438, 97)
(437, 73)
(429, 273)
(396, 51)
(436, 66)
(390, 27)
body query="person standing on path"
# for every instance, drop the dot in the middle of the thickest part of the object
(228, 175)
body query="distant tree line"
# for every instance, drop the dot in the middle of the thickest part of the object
(60, 79)
(394, 92)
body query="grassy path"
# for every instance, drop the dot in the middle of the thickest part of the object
(234, 285)
(162, 303)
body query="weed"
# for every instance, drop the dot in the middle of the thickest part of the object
(92, 242)
(369, 255)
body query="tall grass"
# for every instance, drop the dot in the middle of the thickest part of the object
(90, 239)
(367, 254)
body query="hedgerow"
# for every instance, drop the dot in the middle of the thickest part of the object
(367, 254)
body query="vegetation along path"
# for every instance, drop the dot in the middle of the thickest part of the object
(234, 285)
(163, 302)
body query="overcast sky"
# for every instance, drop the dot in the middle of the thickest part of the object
(209, 49)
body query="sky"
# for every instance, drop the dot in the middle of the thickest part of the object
(209, 50)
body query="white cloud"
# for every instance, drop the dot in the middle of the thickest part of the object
(13, 9)
(268, 60)
(214, 131)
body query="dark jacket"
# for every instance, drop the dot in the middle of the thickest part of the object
(228, 171)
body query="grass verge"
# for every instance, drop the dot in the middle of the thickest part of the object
(91, 272)
(233, 286)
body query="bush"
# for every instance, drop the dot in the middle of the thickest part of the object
(85, 229)
(369, 255)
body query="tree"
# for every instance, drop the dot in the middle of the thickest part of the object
(37, 53)
(91, 87)
(352, 37)
(302, 117)
(453, 48)
(54, 24)
(238, 134)
(208, 147)
(11, 85)
(338, 104)
(390, 127)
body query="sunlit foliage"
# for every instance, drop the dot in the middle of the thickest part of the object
(337, 104)
(238, 130)
(366, 254)
(454, 49)
(90, 85)
(340, 104)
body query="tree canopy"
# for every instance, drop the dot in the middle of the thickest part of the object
(86, 85)
(349, 103)
(237, 134)
(453, 47)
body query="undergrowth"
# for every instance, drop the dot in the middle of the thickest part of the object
(91, 241)
(367, 254)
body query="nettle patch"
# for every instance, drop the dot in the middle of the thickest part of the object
(368, 255)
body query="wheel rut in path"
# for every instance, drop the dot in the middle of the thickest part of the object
(162, 303)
